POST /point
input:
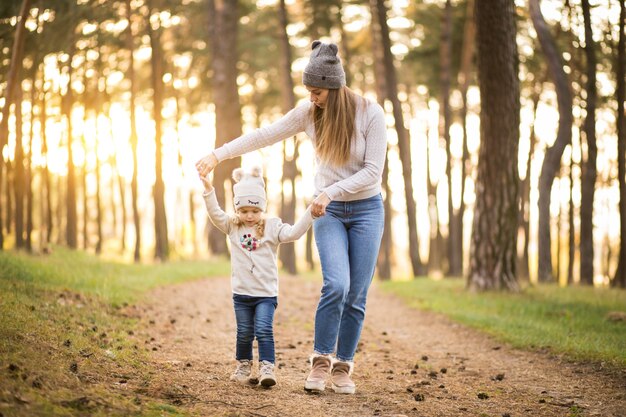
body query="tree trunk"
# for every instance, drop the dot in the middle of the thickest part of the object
(378, 7)
(133, 132)
(572, 227)
(18, 170)
(287, 252)
(46, 198)
(98, 185)
(467, 55)
(29, 170)
(383, 263)
(435, 243)
(493, 249)
(17, 52)
(524, 212)
(71, 228)
(589, 171)
(223, 19)
(161, 249)
(619, 280)
(84, 186)
(454, 258)
(552, 159)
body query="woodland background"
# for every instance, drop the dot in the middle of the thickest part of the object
(506, 128)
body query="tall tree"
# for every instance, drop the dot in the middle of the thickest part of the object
(552, 159)
(133, 130)
(15, 67)
(378, 7)
(589, 170)
(493, 248)
(455, 258)
(620, 71)
(290, 169)
(18, 169)
(383, 263)
(524, 216)
(465, 69)
(161, 248)
(71, 227)
(223, 18)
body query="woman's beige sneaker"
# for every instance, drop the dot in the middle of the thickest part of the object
(340, 377)
(243, 371)
(320, 368)
(266, 374)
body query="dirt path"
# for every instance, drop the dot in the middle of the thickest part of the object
(404, 354)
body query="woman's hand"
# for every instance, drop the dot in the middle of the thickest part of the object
(318, 206)
(206, 165)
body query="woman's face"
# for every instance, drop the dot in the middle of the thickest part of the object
(318, 96)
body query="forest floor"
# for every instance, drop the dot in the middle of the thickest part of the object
(409, 363)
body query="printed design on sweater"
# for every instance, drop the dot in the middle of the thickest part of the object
(249, 242)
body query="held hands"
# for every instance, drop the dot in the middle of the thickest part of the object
(207, 184)
(206, 165)
(318, 206)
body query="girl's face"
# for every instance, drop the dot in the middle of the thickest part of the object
(249, 216)
(318, 96)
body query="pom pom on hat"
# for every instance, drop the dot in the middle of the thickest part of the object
(249, 189)
(324, 69)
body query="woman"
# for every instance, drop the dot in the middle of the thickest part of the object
(349, 136)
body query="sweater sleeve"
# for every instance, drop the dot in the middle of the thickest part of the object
(374, 159)
(290, 124)
(218, 217)
(289, 233)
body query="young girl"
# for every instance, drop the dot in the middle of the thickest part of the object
(254, 242)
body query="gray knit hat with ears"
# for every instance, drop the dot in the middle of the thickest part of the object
(324, 69)
(249, 189)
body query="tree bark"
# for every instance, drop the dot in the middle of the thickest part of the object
(493, 249)
(378, 7)
(133, 132)
(619, 280)
(589, 170)
(46, 198)
(552, 159)
(383, 263)
(287, 252)
(71, 228)
(572, 227)
(223, 19)
(524, 216)
(17, 52)
(18, 170)
(161, 248)
(454, 258)
(29, 169)
(467, 55)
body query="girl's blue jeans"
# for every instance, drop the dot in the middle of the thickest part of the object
(348, 239)
(255, 318)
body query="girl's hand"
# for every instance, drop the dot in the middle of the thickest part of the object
(318, 206)
(207, 184)
(206, 165)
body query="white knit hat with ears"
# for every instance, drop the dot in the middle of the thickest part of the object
(249, 189)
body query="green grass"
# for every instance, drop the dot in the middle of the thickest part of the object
(63, 336)
(114, 282)
(571, 321)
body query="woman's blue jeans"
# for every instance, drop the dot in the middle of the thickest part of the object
(255, 318)
(348, 239)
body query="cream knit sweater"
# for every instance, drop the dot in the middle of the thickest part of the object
(253, 262)
(358, 179)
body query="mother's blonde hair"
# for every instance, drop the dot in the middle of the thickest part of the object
(334, 125)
